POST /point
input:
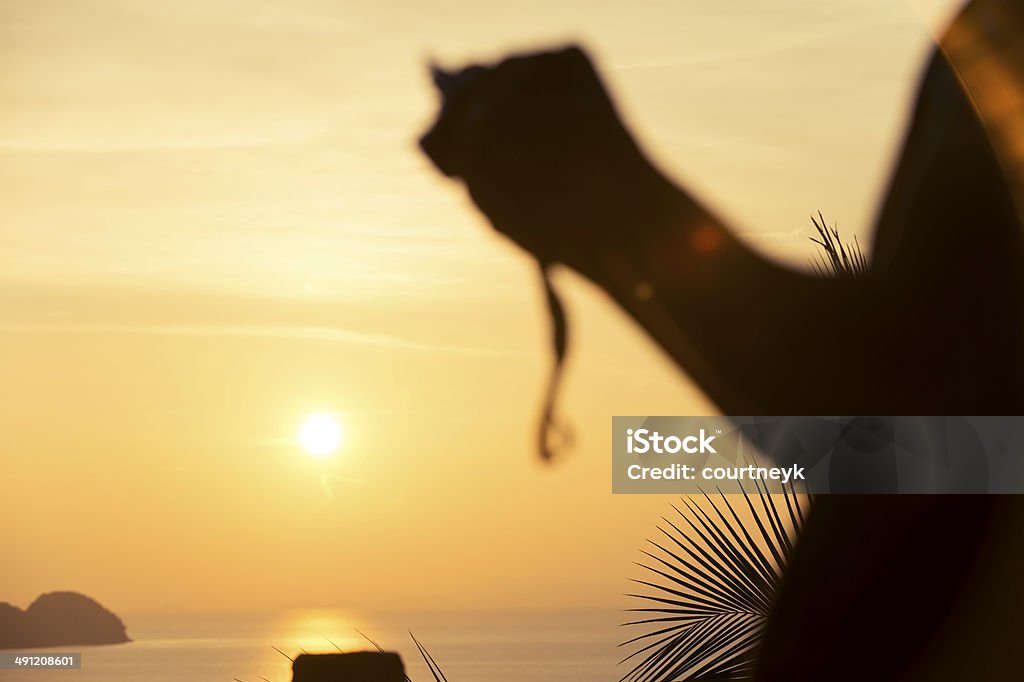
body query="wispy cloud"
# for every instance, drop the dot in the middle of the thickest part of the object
(310, 333)
(800, 234)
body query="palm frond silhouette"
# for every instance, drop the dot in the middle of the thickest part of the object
(838, 259)
(711, 578)
(432, 665)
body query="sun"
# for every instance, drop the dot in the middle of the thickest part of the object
(321, 434)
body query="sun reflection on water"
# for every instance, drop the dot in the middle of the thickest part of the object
(319, 631)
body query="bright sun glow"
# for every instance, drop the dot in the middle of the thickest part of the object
(320, 434)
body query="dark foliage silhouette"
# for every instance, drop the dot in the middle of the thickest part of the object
(836, 258)
(435, 669)
(713, 573)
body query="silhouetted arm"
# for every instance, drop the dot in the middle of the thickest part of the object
(758, 337)
(547, 159)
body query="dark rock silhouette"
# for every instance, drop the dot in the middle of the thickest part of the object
(880, 587)
(59, 619)
(359, 666)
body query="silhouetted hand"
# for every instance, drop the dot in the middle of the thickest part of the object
(542, 152)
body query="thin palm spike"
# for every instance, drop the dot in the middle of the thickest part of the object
(697, 595)
(764, 566)
(724, 573)
(772, 513)
(705, 560)
(776, 555)
(692, 572)
(755, 557)
(701, 591)
(435, 669)
(746, 579)
(741, 558)
(792, 506)
(716, 574)
(721, 581)
(775, 521)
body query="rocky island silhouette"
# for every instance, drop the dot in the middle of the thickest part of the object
(59, 619)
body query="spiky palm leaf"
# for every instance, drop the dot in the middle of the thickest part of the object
(435, 669)
(839, 260)
(712, 578)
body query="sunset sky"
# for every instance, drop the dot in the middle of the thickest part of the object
(215, 222)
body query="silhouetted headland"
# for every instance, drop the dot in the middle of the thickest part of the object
(59, 619)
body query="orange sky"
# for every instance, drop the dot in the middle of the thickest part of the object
(215, 222)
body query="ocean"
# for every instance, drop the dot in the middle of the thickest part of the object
(496, 646)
